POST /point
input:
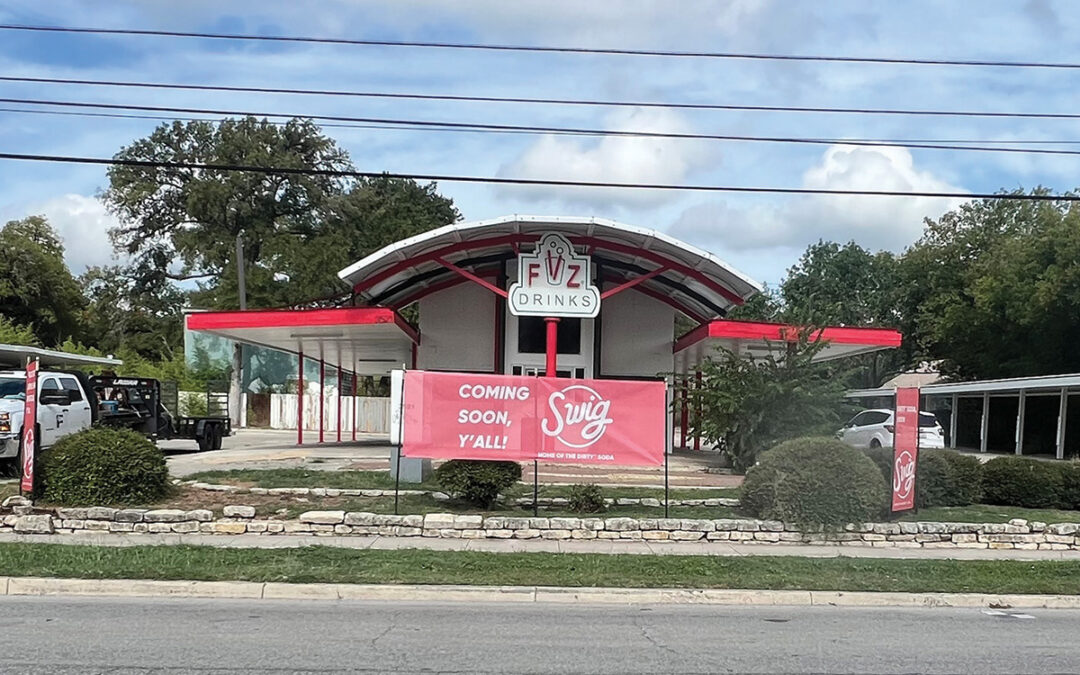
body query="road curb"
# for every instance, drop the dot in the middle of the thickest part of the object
(247, 590)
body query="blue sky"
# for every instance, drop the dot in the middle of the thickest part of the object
(761, 235)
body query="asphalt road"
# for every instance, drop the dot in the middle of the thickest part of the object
(91, 635)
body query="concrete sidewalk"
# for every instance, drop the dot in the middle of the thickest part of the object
(603, 547)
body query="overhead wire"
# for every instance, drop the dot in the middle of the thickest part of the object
(540, 129)
(501, 180)
(613, 51)
(673, 105)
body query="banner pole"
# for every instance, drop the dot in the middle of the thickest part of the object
(536, 488)
(401, 444)
(666, 492)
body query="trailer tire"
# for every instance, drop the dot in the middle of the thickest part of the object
(218, 434)
(206, 440)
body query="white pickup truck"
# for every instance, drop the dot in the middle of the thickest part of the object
(64, 407)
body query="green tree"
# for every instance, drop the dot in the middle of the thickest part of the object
(16, 334)
(183, 223)
(845, 285)
(124, 312)
(36, 288)
(994, 288)
(750, 403)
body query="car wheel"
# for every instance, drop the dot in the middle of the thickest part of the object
(875, 443)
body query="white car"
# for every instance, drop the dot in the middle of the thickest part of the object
(874, 429)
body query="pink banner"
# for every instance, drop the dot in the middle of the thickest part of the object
(517, 418)
(29, 436)
(905, 448)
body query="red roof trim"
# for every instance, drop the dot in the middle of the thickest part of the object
(298, 318)
(760, 330)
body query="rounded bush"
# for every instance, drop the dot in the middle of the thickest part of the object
(477, 482)
(586, 498)
(811, 481)
(1030, 483)
(102, 467)
(1070, 482)
(947, 478)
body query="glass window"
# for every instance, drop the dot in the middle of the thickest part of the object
(859, 420)
(71, 386)
(49, 385)
(876, 418)
(927, 420)
(12, 387)
(532, 335)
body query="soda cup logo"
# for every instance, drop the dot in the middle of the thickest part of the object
(903, 475)
(577, 416)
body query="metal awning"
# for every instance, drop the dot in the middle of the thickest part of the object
(17, 355)
(697, 283)
(1050, 384)
(362, 340)
(756, 337)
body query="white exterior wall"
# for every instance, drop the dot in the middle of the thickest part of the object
(373, 413)
(637, 335)
(457, 330)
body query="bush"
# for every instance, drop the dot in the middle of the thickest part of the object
(1070, 484)
(943, 477)
(477, 482)
(586, 499)
(100, 466)
(1030, 483)
(814, 481)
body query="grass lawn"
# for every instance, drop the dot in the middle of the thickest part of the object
(334, 565)
(381, 480)
(985, 513)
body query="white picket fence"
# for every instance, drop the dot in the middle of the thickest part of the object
(372, 413)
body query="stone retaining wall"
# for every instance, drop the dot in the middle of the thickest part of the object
(442, 496)
(239, 519)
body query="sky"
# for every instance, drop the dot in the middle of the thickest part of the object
(762, 235)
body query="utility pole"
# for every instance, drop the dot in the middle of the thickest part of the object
(237, 379)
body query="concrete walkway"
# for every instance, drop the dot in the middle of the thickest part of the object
(604, 547)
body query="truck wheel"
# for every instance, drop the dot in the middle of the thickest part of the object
(218, 434)
(206, 441)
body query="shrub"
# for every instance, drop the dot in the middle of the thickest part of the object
(586, 499)
(814, 481)
(1070, 484)
(1030, 483)
(103, 467)
(477, 482)
(943, 477)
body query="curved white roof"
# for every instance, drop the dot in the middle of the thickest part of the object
(695, 279)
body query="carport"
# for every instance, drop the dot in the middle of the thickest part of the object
(1022, 416)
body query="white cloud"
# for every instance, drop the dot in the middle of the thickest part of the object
(890, 223)
(83, 224)
(612, 159)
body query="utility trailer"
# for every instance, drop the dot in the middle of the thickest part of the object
(137, 403)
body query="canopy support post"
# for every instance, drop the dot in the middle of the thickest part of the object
(339, 404)
(1063, 411)
(984, 428)
(322, 399)
(355, 405)
(953, 420)
(300, 400)
(697, 411)
(552, 351)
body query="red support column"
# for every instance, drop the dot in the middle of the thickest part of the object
(552, 346)
(697, 412)
(300, 401)
(674, 408)
(339, 404)
(354, 406)
(322, 397)
(685, 413)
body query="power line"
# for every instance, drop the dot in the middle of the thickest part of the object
(162, 118)
(546, 130)
(673, 105)
(450, 178)
(545, 49)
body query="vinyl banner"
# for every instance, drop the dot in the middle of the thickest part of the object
(519, 418)
(29, 439)
(905, 448)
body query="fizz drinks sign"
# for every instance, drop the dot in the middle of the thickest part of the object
(905, 448)
(517, 418)
(553, 281)
(29, 434)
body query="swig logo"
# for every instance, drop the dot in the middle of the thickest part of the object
(903, 475)
(577, 416)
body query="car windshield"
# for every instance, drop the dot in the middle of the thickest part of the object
(927, 420)
(13, 387)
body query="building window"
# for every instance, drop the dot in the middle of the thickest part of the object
(532, 335)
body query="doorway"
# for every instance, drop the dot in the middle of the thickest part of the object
(526, 346)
